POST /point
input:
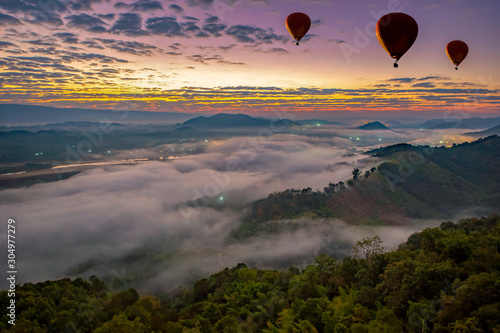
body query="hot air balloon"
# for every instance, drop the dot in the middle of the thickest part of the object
(397, 32)
(298, 24)
(457, 51)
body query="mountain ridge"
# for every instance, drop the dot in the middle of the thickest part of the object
(228, 120)
(412, 182)
(374, 125)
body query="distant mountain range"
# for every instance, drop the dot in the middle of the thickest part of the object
(467, 123)
(414, 182)
(225, 120)
(376, 125)
(483, 134)
(16, 114)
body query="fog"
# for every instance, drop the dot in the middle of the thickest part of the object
(128, 223)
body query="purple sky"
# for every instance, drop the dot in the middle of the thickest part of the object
(237, 56)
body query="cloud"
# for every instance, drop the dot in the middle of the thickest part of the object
(6, 44)
(253, 34)
(402, 80)
(275, 50)
(129, 24)
(212, 19)
(424, 85)
(175, 8)
(84, 4)
(226, 62)
(316, 23)
(146, 5)
(215, 29)
(164, 26)
(225, 48)
(140, 6)
(67, 37)
(337, 41)
(36, 12)
(7, 20)
(134, 48)
(110, 16)
(434, 77)
(92, 44)
(192, 29)
(85, 22)
(201, 3)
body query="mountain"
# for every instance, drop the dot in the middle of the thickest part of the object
(318, 122)
(412, 182)
(483, 134)
(225, 120)
(458, 123)
(16, 114)
(376, 125)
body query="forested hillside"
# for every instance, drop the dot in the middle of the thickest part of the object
(444, 279)
(413, 182)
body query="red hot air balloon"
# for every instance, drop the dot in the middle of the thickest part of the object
(298, 24)
(397, 32)
(457, 51)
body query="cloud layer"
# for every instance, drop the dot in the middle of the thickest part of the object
(94, 220)
(130, 224)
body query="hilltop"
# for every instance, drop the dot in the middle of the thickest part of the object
(225, 120)
(412, 182)
(376, 125)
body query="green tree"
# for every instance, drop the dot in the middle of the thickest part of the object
(368, 247)
(120, 323)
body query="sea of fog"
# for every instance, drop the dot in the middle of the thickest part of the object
(128, 223)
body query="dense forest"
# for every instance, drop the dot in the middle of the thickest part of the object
(444, 279)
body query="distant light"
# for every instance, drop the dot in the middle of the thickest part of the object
(357, 139)
(90, 151)
(420, 129)
(318, 124)
(350, 138)
(109, 152)
(206, 140)
(221, 198)
(379, 139)
(440, 141)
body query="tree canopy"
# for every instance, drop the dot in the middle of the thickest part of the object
(444, 279)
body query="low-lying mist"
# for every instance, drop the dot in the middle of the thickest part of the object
(125, 223)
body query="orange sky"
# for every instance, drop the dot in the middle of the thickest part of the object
(237, 56)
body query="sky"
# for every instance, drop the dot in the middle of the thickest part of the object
(210, 56)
